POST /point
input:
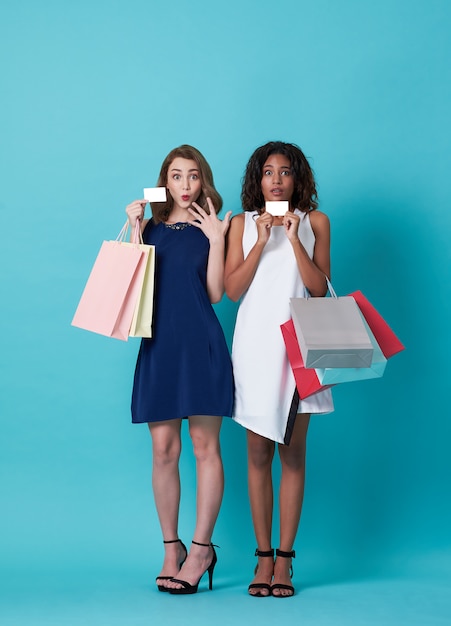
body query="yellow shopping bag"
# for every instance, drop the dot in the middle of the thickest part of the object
(142, 317)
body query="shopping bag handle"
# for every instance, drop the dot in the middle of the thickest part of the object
(329, 288)
(137, 234)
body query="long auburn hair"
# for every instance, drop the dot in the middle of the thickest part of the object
(162, 210)
(304, 196)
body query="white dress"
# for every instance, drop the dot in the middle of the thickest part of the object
(266, 400)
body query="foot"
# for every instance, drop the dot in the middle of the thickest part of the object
(263, 576)
(174, 554)
(281, 584)
(198, 561)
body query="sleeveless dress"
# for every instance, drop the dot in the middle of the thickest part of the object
(185, 368)
(266, 400)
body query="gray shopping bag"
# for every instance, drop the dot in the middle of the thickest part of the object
(331, 332)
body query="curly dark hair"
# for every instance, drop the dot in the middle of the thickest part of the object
(161, 210)
(304, 195)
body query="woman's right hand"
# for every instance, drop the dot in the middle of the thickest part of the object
(264, 224)
(135, 211)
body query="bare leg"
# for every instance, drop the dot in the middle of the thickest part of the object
(166, 447)
(291, 495)
(260, 456)
(204, 431)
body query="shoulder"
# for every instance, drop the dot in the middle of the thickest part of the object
(236, 229)
(237, 219)
(237, 223)
(319, 221)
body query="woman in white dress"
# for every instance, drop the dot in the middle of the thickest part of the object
(271, 259)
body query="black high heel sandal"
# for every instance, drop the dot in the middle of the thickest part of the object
(187, 587)
(260, 586)
(162, 587)
(285, 555)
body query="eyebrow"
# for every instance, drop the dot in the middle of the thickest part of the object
(176, 169)
(282, 167)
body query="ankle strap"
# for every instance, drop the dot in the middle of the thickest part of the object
(206, 545)
(172, 541)
(264, 552)
(286, 555)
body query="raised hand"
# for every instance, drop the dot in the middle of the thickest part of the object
(212, 227)
(135, 211)
(291, 225)
(264, 224)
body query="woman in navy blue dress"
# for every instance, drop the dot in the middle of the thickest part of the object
(184, 370)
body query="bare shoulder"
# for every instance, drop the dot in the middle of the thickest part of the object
(238, 220)
(237, 225)
(320, 222)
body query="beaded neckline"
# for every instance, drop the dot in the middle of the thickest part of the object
(177, 225)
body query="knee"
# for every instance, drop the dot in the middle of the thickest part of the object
(260, 454)
(293, 460)
(205, 448)
(166, 453)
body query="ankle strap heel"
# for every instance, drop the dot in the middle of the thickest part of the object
(280, 587)
(162, 587)
(206, 545)
(188, 588)
(264, 553)
(287, 555)
(183, 546)
(261, 590)
(214, 560)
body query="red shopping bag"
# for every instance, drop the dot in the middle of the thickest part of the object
(307, 382)
(385, 337)
(111, 292)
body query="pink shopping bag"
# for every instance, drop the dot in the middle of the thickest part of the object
(109, 298)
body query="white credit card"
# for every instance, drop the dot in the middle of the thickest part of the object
(277, 207)
(155, 194)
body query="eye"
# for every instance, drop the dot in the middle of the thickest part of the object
(267, 173)
(176, 176)
(194, 177)
(286, 173)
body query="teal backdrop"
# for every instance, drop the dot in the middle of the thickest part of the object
(94, 95)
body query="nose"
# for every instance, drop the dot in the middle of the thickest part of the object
(186, 183)
(277, 177)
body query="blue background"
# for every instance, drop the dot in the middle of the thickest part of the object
(94, 95)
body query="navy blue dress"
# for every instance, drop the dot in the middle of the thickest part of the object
(185, 368)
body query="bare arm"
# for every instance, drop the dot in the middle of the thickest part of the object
(312, 271)
(215, 230)
(240, 271)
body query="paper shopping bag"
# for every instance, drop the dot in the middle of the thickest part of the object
(332, 376)
(331, 332)
(385, 337)
(108, 301)
(142, 318)
(307, 382)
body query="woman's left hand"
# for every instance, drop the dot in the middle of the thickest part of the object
(212, 227)
(291, 225)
